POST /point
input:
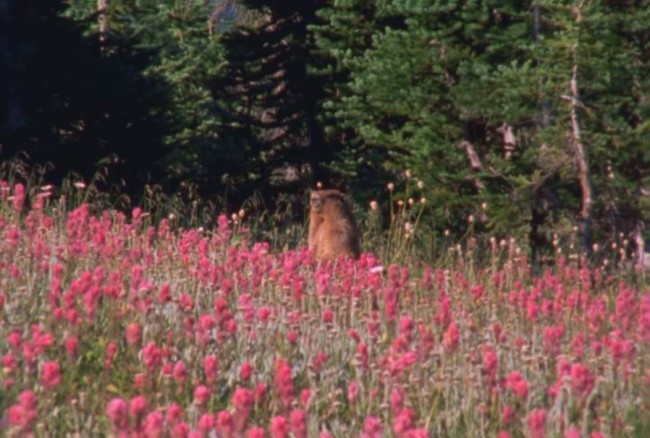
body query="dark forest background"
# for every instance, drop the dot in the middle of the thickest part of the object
(531, 116)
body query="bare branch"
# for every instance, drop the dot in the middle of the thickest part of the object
(473, 157)
(509, 140)
(103, 20)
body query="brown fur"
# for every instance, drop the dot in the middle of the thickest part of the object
(333, 231)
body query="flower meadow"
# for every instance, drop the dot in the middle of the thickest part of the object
(110, 325)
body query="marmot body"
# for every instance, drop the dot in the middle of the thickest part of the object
(333, 232)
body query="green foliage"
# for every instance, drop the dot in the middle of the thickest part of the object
(77, 102)
(435, 77)
(258, 100)
(270, 99)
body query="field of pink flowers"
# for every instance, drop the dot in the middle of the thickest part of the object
(111, 326)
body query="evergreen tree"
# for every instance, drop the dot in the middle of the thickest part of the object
(524, 107)
(342, 34)
(270, 98)
(412, 102)
(80, 111)
(614, 101)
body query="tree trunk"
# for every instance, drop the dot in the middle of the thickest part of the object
(103, 20)
(577, 145)
(538, 209)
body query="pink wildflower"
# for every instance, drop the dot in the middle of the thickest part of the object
(305, 396)
(14, 339)
(572, 433)
(477, 291)
(371, 428)
(318, 361)
(23, 415)
(9, 363)
(298, 420)
(225, 424)
(138, 408)
(582, 381)
(154, 424)
(206, 322)
(180, 430)
(507, 414)
(174, 413)
(50, 374)
(553, 337)
(133, 334)
(19, 197)
(396, 399)
(71, 345)
(403, 422)
(537, 423)
(406, 325)
(255, 432)
(201, 395)
(517, 384)
(245, 371)
(151, 356)
(117, 411)
(292, 336)
(328, 316)
(27, 399)
(282, 381)
(210, 368)
(490, 364)
(179, 372)
(139, 380)
(206, 423)
(418, 433)
(279, 427)
(451, 337)
(243, 401)
(260, 393)
(263, 314)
